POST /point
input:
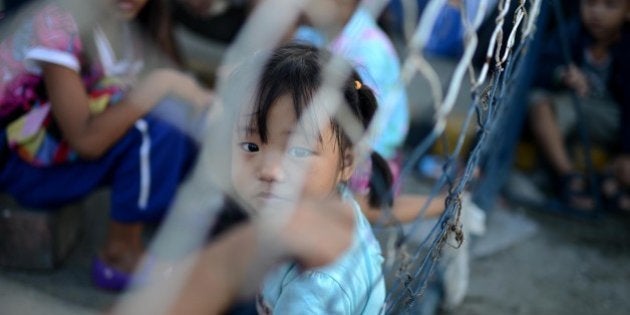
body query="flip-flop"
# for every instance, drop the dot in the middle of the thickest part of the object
(107, 277)
(613, 197)
(581, 198)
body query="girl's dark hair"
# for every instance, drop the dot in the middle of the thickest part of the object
(297, 70)
(156, 23)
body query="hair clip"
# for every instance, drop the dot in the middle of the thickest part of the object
(357, 84)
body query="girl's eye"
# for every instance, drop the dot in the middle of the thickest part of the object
(300, 152)
(249, 147)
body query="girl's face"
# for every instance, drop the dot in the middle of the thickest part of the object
(128, 9)
(604, 18)
(269, 173)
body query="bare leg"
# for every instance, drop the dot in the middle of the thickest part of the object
(551, 141)
(549, 137)
(123, 246)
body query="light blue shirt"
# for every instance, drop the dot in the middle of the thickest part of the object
(351, 285)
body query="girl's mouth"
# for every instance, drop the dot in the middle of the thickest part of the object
(269, 197)
(126, 5)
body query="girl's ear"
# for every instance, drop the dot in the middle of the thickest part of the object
(348, 165)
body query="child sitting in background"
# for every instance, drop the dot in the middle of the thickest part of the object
(74, 122)
(599, 44)
(372, 54)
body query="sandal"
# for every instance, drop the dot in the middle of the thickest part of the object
(110, 278)
(615, 197)
(107, 277)
(575, 193)
(575, 198)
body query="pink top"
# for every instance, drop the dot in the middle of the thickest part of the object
(50, 35)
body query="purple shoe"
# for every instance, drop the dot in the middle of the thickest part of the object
(107, 277)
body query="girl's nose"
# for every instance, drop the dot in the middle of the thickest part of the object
(270, 169)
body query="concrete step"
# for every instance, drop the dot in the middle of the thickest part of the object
(34, 238)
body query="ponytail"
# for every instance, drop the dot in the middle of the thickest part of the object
(367, 103)
(381, 182)
(381, 179)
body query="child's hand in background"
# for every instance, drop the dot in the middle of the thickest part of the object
(187, 87)
(161, 82)
(575, 79)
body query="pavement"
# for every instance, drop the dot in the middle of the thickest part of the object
(565, 267)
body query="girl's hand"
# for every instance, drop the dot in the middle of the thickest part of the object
(319, 232)
(315, 234)
(575, 79)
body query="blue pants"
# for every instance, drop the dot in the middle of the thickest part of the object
(143, 169)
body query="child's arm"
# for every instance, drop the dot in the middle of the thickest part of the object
(406, 208)
(575, 79)
(207, 283)
(92, 135)
(315, 235)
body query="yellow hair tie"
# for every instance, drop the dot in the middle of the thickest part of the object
(357, 84)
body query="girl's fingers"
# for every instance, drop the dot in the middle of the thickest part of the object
(319, 232)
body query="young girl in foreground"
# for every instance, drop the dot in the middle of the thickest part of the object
(276, 140)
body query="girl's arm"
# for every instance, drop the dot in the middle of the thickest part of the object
(205, 283)
(92, 135)
(216, 280)
(236, 262)
(406, 208)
